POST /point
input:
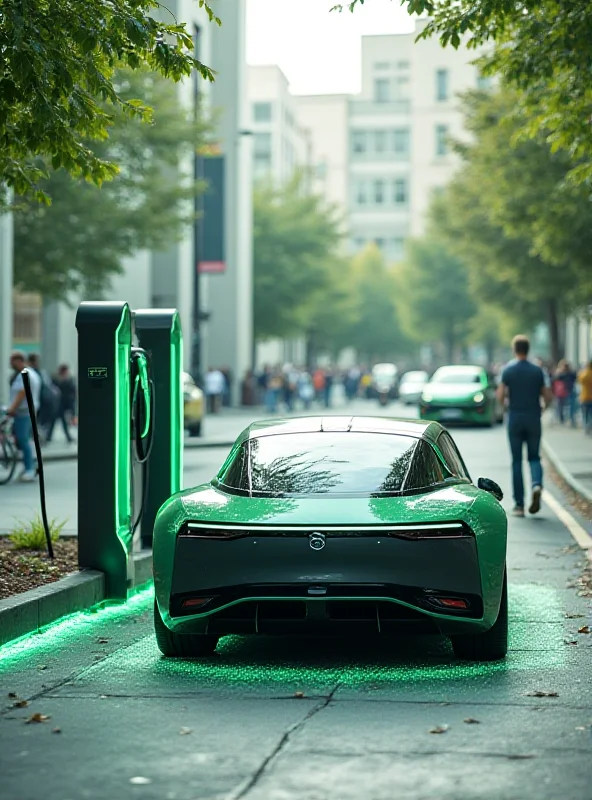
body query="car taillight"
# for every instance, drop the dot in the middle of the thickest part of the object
(195, 602)
(453, 602)
(199, 531)
(449, 530)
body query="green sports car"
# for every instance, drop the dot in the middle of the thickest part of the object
(334, 524)
(461, 394)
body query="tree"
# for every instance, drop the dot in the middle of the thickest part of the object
(544, 49)
(58, 64)
(433, 298)
(79, 241)
(295, 239)
(376, 332)
(514, 207)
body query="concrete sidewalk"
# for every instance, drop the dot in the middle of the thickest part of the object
(570, 451)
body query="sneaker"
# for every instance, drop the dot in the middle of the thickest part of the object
(518, 511)
(27, 477)
(535, 503)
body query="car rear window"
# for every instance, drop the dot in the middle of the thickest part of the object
(457, 377)
(321, 464)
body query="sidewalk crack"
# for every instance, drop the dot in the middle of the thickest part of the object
(242, 790)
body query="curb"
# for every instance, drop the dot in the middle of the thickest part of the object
(572, 482)
(31, 611)
(211, 442)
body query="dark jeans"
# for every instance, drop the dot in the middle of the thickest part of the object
(587, 415)
(525, 429)
(61, 417)
(22, 434)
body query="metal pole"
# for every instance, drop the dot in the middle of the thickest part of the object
(6, 309)
(197, 230)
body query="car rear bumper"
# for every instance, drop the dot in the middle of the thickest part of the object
(279, 584)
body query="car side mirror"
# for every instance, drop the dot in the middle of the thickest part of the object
(492, 487)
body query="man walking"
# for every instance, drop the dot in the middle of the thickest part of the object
(19, 411)
(524, 384)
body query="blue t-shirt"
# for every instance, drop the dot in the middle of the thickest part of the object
(524, 381)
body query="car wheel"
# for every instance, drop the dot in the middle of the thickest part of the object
(187, 645)
(195, 429)
(491, 645)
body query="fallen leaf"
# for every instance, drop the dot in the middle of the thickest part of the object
(570, 641)
(37, 717)
(541, 693)
(184, 731)
(580, 728)
(102, 697)
(439, 729)
(56, 730)
(574, 616)
(584, 629)
(42, 666)
(139, 781)
(12, 694)
(472, 721)
(21, 704)
(102, 640)
(299, 695)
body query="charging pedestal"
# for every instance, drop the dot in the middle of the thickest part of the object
(104, 458)
(159, 333)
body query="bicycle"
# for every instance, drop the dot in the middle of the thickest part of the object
(8, 452)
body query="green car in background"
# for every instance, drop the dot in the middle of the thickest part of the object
(346, 525)
(463, 394)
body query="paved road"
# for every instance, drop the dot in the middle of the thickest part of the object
(236, 727)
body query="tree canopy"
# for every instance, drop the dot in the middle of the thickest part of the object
(433, 298)
(58, 88)
(543, 49)
(296, 237)
(523, 229)
(80, 240)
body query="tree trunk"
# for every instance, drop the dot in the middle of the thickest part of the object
(553, 323)
(450, 342)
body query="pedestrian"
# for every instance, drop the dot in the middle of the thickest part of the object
(49, 397)
(215, 384)
(564, 382)
(585, 381)
(275, 385)
(66, 411)
(306, 390)
(19, 411)
(523, 384)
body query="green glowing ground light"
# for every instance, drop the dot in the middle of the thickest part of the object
(536, 642)
(59, 635)
(176, 411)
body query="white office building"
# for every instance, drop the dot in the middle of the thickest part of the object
(399, 130)
(164, 280)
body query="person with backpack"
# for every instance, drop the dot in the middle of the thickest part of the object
(49, 398)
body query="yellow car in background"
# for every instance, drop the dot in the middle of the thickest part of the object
(193, 405)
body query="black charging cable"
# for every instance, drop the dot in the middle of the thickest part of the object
(143, 453)
(33, 416)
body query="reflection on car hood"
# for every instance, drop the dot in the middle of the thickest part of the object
(452, 391)
(208, 504)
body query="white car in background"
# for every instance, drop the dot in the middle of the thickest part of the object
(411, 386)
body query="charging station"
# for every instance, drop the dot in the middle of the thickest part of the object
(130, 432)
(159, 335)
(104, 454)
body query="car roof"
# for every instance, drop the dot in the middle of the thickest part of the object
(468, 368)
(419, 429)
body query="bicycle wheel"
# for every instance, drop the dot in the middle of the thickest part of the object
(8, 459)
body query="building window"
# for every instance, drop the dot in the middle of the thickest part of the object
(379, 242)
(359, 142)
(382, 93)
(360, 193)
(379, 192)
(442, 84)
(359, 243)
(441, 140)
(399, 191)
(262, 153)
(403, 64)
(262, 112)
(321, 170)
(483, 82)
(401, 140)
(380, 65)
(380, 141)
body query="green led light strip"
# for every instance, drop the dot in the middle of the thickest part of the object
(176, 416)
(122, 467)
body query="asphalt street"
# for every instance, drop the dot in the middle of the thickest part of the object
(291, 719)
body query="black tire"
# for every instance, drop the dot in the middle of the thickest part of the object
(195, 429)
(8, 459)
(491, 645)
(182, 645)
